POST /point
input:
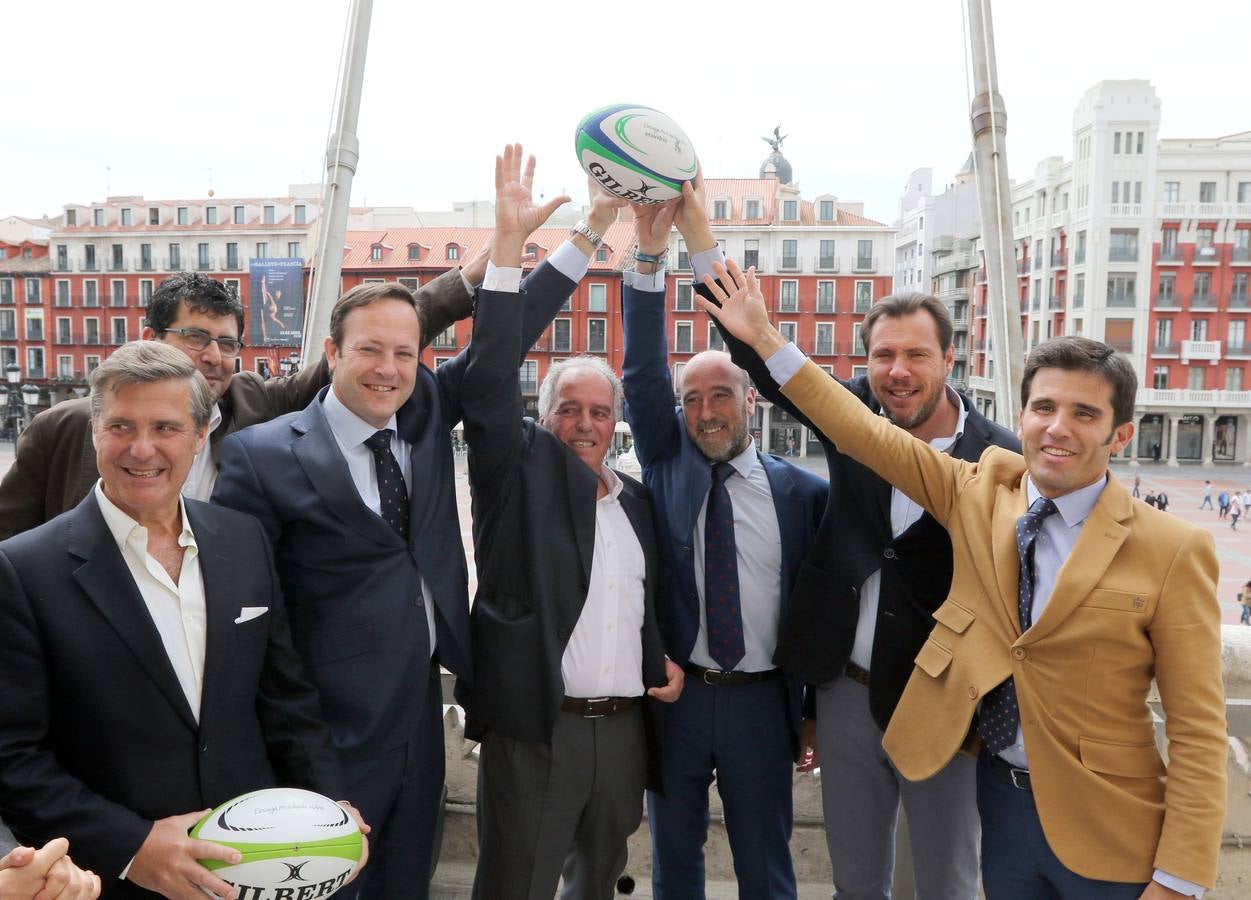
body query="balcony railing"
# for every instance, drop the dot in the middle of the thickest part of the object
(1037, 263)
(684, 262)
(1239, 301)
(230, 265)
(953, 262)
(1122, 346)
(822, 348)
(1079, 257)
(1122, 301)
(827, 264)
(1170, 256)
(1203, 301)
(34, 334)
(788, 264)
(7, 334)
(862, 306)
(143, 265)
(1123, 254)
(1060, 259)
(529, 388)
(1167, 301)
(86, 266)
(63, 338)
(1206, 256)
(1022, 267)
(61, 265)
(1241, 350)
(1166, 348)
(866, 264)
(788, 305)
(1079, 300)
(979, 311)
(172, 264)
(1054, 303)
(117, 265)
(1242, 255)
(1206, 350)
(204, 265)
(960, 293)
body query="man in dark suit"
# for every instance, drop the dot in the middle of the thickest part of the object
(733, 526)
(151, 643)
(862, 603)
(566, 643)
(357, 494)
(55, 464)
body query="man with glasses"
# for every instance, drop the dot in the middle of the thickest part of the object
(55, 465)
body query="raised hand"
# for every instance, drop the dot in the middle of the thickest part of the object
(652, 224)
(516, 214)
(604, 207)
(692, 216)
(740, 307)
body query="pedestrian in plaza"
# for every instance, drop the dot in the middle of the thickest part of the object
(1244, 601)
(1222, 504)
(1150, 498)
(1235, 510)
(1137, 485)
(1161, 500)
(1207, 496)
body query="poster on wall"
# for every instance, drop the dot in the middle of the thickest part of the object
(276, 300)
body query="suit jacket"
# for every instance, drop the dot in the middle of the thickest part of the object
(353, 583)
(854, 541)
(99, 740)
(7, 841)
(1135, 599)
(55, 466)
(534, 507)
(679, 476)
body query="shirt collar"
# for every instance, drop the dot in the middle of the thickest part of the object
(347, 426)
(611, 481)
(746, 461)
(122, 526)
(215, 418)
(1075, 506)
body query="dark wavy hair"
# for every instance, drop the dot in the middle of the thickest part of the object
(200, 293)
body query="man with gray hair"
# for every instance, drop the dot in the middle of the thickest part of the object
(568, 658)
(151, 642)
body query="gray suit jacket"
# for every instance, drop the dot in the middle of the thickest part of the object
(7, 842)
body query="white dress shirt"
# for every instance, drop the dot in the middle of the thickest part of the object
(350, 432)
(604, 656)
(177, 610)
(758, 547)
(567, 259)
(203, 473)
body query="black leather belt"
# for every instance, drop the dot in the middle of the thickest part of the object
(855, 673)
(597, 707)
(726, 679)
(1000, 766)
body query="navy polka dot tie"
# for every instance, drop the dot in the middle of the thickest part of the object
(721, 600)
(1000, 717)
(392, 491)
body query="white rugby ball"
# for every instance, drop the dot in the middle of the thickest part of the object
(635, 152)
(296, 845)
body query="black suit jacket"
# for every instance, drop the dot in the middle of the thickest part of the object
(534, 506)
(97, 739)
(853, 541)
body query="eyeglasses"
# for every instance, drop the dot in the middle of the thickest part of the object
(199, 339)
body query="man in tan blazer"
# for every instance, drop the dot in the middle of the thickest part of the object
(55, 465)
(1051, 670)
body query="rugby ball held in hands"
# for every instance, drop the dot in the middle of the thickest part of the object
(635, 152)
(296, 845)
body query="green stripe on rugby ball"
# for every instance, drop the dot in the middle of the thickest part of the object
(347, 847)
(586, 142)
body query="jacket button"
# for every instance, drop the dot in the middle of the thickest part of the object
(1019, 653)
(889, 552)
(972, 691)
(204, 746)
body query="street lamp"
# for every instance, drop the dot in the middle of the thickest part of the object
(13, 401)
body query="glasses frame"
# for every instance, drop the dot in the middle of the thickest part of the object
(196, 334)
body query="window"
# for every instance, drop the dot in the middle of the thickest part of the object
(1237, 332)
(267, 214)
(210, 215)
(445, 338)
(6, 290)
(63, 330)
(1159, 378)
(787, 330)
(117, 260)
(119, 331)
(63, 293)
(1207, 191)
(1204, 249)
(202, 256)
(682, 301)
(825, 339)
(293, 249)
(825, 296)
(596, 335)
(65, 366)
(97, 218)
(715, 340)
(375, 253)
(826, 211)
(1079, 254)
(684, 259)
(1168, 244)
(1166, 290)
(1116, 145)
(145, 292)
(790, 258)
(751, 209)
(128, 216)
(1121, 290)
(789, 299)
(453, 252)
(154, 215)
(1203, 286)
(34, 363)
(238, 215)
(597, 298)
(1244, 192)
(1141, 136)
(411, 283)
(34, 325)
(92, 363)
(91, 296)
(561, 336)
(32, 291)
(721, 209)
(825, 254)
(175, 256)
(1233, 378)
(117, 295)
(301, 214)
(91, 331)
(1123, 245)
(529, 377)
(864, 254)
(790, 210)
(864, 296)
(751, 254)
(145, 257)
(183, 217)
(71, 217)
(232, 255)
(1163, 333)
(8, 325)
(601, 253)
(682, 337)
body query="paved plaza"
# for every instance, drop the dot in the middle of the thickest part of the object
(1183, 484)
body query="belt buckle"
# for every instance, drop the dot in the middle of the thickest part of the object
(714, 673)
(1013, 772)
(590, 715)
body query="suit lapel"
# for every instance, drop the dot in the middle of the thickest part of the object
(582, 491)
(107, 582)
(220, 602)
(1101, 537)
(319, 455)
(1009, 506)
(782, 486)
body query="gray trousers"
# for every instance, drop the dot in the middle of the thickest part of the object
(861, 791)
(564, 809)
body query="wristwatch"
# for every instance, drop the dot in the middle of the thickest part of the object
(585, 230)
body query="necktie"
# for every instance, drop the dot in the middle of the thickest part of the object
(721, 600)
(392, 491)
(999, 718)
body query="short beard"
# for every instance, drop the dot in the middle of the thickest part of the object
(736, 445)
(921, 416)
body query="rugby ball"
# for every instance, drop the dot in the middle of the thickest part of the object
(635, 152)
(296, 844)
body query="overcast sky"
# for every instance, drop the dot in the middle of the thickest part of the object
(169, 99)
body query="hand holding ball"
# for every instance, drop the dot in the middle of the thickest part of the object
(636, 153)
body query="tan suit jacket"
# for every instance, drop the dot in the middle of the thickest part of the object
(55, 465)
(1136, 599)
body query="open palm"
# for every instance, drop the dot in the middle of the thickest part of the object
(516, 213)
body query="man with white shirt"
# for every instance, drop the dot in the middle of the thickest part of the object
(151, 644)
(55, 464)
(357, 494)
(568, 658)
(1067, 599)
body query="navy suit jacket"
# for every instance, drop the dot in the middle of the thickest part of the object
(353, 583)
(679, 476)
(97, 739)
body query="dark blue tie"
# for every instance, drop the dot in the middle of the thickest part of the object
(999, 717)
(721, 599)
(392, 491)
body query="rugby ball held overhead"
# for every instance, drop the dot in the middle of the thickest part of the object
(296, 845)
(635, 152)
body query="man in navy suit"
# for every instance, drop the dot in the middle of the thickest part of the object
(733, 526)
(357, 493)
(150, 642)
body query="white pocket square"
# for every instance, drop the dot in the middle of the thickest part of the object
(248, 613)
